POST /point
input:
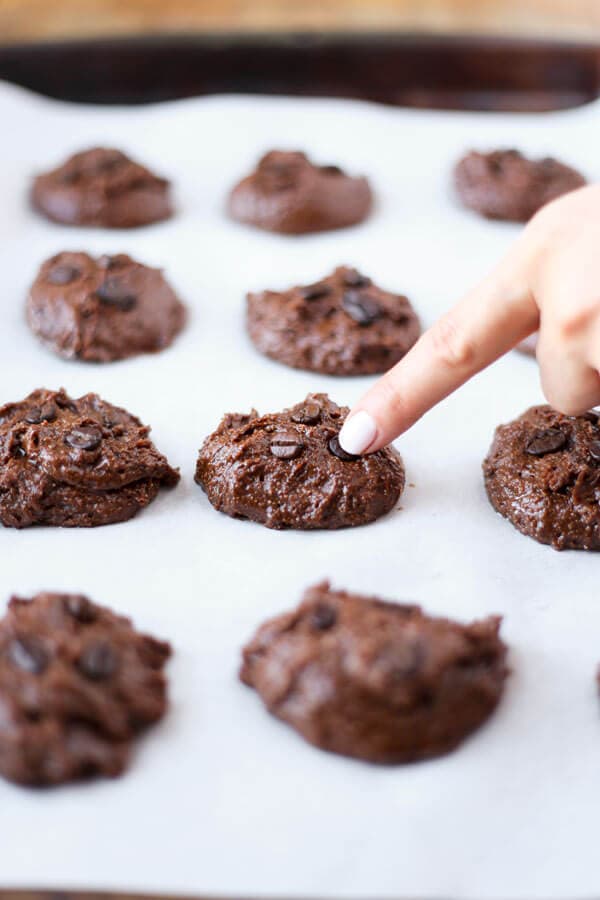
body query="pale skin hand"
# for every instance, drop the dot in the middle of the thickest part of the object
(550, 280)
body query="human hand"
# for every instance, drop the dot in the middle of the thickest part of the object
(550, 279)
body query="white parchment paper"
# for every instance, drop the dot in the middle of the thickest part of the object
(221, 798)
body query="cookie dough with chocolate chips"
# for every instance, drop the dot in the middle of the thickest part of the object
(289, 194)
(342, 325)
(75, 463)
(504, 184)
(378, 681)
(543, 474)
(288, 470)
(99, 310)
(77, 685)
(104, 188)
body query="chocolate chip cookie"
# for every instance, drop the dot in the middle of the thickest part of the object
(99, 310)
(104, 188)
(288, 470)
(289, 194)
(506, 185)
(378, 681)
(342, 325)
(77, 685)
(543, 474)
(75, 463)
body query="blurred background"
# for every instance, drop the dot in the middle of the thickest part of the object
(26, 20)
(450, 54)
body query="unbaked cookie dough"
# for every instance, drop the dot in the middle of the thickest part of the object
(378, 681)
(289, 194)
(104, 188)
(288, 470)
(100, 310)
(75, 463)
(543, 474)
(341, 325)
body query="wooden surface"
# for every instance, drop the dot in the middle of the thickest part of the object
(23, 20)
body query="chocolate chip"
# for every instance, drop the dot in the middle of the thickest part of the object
(286, 446)
(353, 278)
(45, 413)
(64, 402)
(323, 617)
(331, 170)
(589, 416)
(80, 608)
(508, 154)
(360, 307)
(109, 162)
(336, 448)
(498, 160)
(277, 166)
(110, 262)
(594, 450)
(548, 441)
(29, 654)
(278, 176)
(402, 659)
(98, 661)
(307, 414)
(315, 291)
(114, 293)
(63, 274)
(34, 416)
(85, 437)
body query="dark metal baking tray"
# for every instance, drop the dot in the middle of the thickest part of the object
(422, 71)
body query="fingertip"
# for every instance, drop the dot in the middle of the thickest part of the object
(359, 432)
(570, 385)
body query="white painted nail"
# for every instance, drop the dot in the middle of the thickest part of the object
(358, 432)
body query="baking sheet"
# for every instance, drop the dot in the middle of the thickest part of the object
(222, 798)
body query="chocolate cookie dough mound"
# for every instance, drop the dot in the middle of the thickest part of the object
(342, 325)
(77, 684)
(102, 310)
(377, 681)
(75, 462)
(288, 470)
(289, 194)
(104, 188)
(506, 185)
(543, 474)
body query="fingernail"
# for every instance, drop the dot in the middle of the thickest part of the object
(358, 433)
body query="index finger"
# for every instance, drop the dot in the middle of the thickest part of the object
(489, 321)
